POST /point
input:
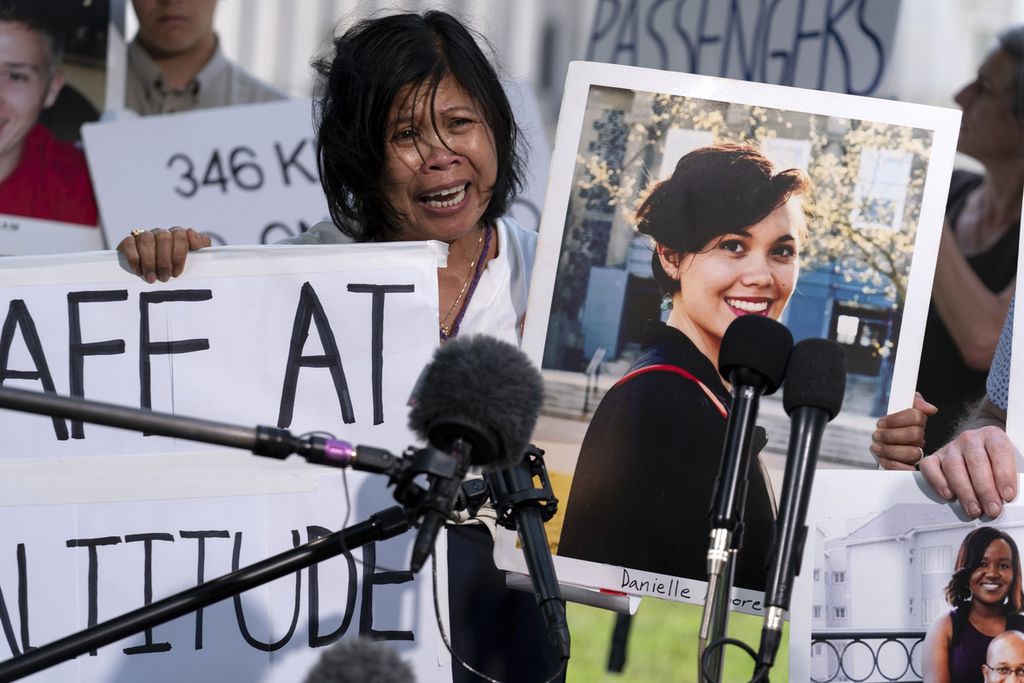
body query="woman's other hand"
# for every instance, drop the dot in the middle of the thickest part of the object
(160, 254)
(978, 468)
(898, 441)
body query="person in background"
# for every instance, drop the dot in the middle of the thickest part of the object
(40, 176)
(1005, 658)
(175, 62)
(977, 261)
(985, 593)
(416, 140)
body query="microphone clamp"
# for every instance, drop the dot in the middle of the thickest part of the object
(718, 551)
(507, 501)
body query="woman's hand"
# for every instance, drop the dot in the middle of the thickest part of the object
(898, 441)
(978, 468)
(160, 254)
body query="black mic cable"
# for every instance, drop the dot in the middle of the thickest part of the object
(812, 396)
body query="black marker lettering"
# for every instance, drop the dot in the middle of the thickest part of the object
(879, 47)
(147, 589)
(599, 29)
(769, 16)
(734, 26)
(308, 310)
(315, 639)
(77, 350)
(377, 339)
(148, 348)
(655, 36)
(240, 168)
(237, 599)
(371, 578)
(630, 24)
(5, 617)
(201, 536)
(93, 581)
(292, 161)
(18, 316)
(799, 36)
(680, 26)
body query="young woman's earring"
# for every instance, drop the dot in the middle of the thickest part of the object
(666, 302)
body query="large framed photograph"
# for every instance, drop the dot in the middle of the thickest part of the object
(662, 185)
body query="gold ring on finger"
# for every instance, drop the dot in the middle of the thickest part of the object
(138, 231)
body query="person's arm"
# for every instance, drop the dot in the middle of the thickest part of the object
(979, 466)
(898, 440)
(972, 314)
(160, 254)
(935, 658)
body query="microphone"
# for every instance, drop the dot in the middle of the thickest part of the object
(360, 660)
(812, 396)
(478, 400)
(753, 357)
(514, 496)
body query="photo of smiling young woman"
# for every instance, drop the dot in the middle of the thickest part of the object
(985, 594)
(727, 229)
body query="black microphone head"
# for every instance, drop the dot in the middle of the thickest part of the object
(816, 377)
(752, 342)
(483, 390)
(360, 660)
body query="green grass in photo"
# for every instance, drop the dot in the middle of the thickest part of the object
(662, 645)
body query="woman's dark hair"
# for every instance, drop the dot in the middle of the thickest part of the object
(359, 82)
(713, 191)
(968, 559)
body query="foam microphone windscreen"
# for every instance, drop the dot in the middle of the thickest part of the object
(360, 660)
(759, 344)
(483, 390)
(816, 377)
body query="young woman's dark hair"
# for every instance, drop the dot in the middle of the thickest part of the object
(713, 191)
(360, 81)
(968, 559)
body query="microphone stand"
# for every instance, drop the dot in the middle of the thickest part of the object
(714, 619)
(383, 525)
(415, 500)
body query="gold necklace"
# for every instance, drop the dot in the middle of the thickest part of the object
(446, 328)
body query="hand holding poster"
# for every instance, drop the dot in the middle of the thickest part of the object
(307, 339)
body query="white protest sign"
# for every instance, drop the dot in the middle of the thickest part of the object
(841, 46)
(21, 236)
(227, 342)
(84, 557)
(245, 175)
(311, 338)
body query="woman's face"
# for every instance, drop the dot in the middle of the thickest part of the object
(752, 272)
(990, 582)
(988, 128)
(440, 186)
